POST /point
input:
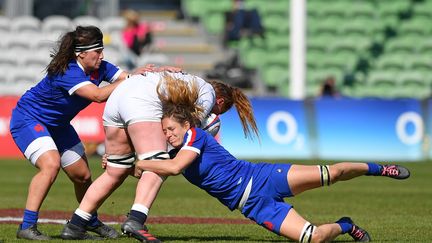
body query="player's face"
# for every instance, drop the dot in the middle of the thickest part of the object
(91, 60)
(174, 131)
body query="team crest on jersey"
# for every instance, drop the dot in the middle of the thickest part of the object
(268, 225)
(94, 75)
(38, 128)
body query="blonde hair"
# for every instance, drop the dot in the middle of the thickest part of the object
(179, 98)
(234, 96)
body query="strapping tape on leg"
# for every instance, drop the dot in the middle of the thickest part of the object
(155, 155)
(325, 175)
(121, 161)
(306, 234)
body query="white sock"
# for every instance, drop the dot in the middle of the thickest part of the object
(83, 214)
(140, 208)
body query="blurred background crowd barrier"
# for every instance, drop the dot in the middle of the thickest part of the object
(324, 129)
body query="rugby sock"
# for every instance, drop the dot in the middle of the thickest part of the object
(30, 218)
(94, 221)
(139, 213)
(374, 169)
(80, 218)
(346, 226)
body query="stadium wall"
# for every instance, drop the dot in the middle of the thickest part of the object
(324, 129)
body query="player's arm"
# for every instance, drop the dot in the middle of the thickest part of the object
(148, 68)
(96, 94)
(168, 167)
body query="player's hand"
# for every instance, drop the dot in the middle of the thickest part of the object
(153, 68)
(146, 68)
(137, 172)
(170, 69)
(104, 161)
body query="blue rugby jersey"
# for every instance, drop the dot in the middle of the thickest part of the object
(215, 170)
(52, 100)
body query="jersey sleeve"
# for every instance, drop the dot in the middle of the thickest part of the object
(73, 79)
(194, 140)
(111, 73)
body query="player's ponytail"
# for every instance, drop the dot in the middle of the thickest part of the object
(234, 96)
(245, 112)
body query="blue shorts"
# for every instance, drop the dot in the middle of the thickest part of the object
(265, 204)
(26, 129)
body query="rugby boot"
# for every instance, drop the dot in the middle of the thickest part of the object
(395, 171)
(31, 233)
(103, 230)
(140, 232)
(74, 232)
(357, 233)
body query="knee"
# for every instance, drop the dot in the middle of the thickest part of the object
(50, 169)
(82, 178)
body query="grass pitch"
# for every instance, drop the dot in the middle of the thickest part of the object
(391, 210)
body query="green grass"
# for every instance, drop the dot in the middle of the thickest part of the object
(392, 211)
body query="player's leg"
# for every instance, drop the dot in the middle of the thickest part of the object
(114, 175)
(305, 177)
(35, 142)
(149, 143)
(295, 227)
(48, 164)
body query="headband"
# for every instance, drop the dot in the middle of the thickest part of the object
(82, 48)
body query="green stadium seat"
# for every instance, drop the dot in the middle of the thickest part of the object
(412, 78)
(423, 9)
(220, 6)
(195, 8)
(280, 58)
(274, 76)
(324, 26)
(391, 62)
(277, 41)
(214, 23)
(424, 46)
(401, 45)
(254, 57)
(382, 78)
(272, 23)
(419, 63)
(416, 27)
(357, 9)
(275, 7)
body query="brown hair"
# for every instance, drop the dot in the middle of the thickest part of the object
(178, 99)
(234, 96)
(65, 50)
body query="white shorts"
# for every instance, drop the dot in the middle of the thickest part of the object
(136, 99)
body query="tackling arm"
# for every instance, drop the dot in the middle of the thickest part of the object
(170, 166)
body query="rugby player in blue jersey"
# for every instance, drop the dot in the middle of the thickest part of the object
(256, 189)
(40, 123)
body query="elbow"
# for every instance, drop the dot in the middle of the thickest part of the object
(100, 98)
(175, 171)
(97, 100)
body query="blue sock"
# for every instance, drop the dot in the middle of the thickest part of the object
(138, 216)
(30, 218)
(78, 221)
(346, 226)
(94, 221)
(374, 169)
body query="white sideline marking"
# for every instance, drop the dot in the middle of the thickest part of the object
(48, 221)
